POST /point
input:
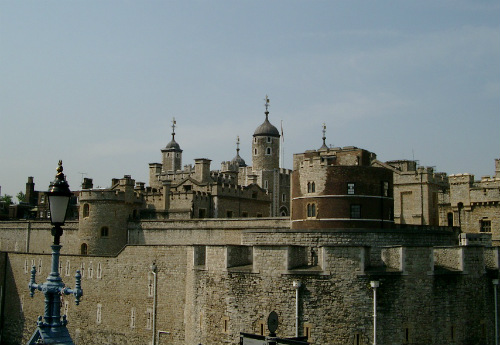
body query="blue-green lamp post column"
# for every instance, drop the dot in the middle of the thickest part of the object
(52, 327)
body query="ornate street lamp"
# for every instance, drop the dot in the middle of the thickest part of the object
(52, 327)
(58, 195)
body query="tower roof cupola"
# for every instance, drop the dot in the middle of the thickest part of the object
(266, 128)
(238, 160)
(173, 145)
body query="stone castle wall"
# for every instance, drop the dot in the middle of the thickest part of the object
(121, 315)
(35, 236)
(209, 294)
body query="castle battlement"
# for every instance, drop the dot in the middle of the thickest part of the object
(461, 179)
(346, 260)
(110, 195)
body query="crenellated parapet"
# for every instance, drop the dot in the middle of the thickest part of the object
(110, 195)
(345, 260)
(456, 179)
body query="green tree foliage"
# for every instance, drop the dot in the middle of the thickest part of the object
(21, 197)
(7, 199)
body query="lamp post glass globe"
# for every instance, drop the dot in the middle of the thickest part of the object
(59, 195)
(58, 206)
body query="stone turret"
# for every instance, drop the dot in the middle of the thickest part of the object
(104, 216)
(266, 145)
(172, 154)
(202, 170)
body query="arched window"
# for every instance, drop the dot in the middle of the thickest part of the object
(268, 151)
(86, 210)
(311, 210)
(283, 211)
(313, 187)
(104, 231)
(84, 249)
(255, 152)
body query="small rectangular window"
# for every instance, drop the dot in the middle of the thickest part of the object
(266, 184)
(261, 328)
(385, 188)
(132, 317)
(485, 226)
(283, 197)
(104, 231)
(150, 285)
(350, 188)
(406, 336)
(307, 331)
(149, 318)
(99, 313)
(99, 271)
(225, 324)
(229, 214)
(244, 214)
(355, 211)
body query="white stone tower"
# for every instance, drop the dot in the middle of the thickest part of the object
(266, 145)
(266, 158)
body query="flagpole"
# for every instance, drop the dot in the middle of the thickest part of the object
(282, 146)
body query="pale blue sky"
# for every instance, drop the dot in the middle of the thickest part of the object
(96, 83)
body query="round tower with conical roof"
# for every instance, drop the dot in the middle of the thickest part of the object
(266, 145)
(172, 153)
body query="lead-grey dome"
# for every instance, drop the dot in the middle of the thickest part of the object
(173, 146)
(266, 129)
(240, 161)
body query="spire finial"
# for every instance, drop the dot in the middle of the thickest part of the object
(267, 105)
(173, 127)
(238, 145)
(324, 133)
